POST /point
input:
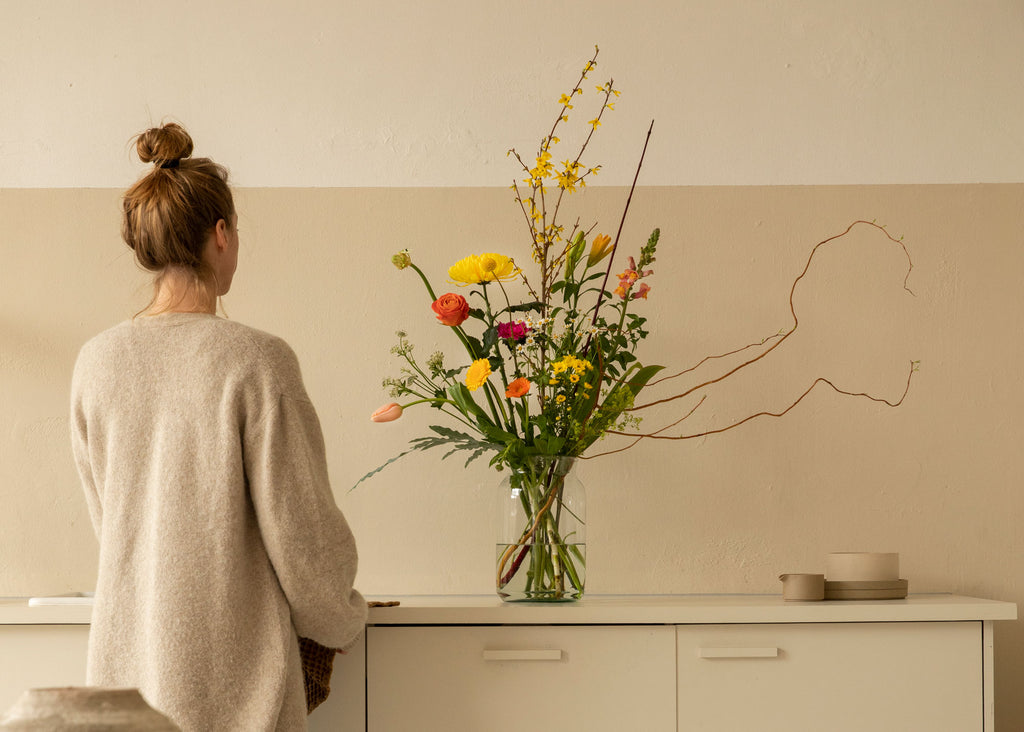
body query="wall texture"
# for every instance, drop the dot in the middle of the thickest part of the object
(388, 93)
(353, 133)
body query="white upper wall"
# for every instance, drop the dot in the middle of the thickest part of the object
(402, 93)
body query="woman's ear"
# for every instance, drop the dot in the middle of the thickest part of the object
(221, 230)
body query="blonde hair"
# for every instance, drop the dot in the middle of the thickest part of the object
(171, 210)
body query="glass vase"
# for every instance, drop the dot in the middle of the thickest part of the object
(541, 547)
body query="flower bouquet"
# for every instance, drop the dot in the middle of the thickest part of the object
(550, 366)
(550, 363)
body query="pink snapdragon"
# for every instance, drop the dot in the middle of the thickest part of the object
(641, 291)
(628, 278)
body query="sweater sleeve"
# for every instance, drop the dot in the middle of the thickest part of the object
(80, 451)
(307, 538)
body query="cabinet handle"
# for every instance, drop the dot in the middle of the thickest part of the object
(729, 652)
(542, 654)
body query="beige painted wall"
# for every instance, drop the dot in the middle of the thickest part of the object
(937, 479)
(323, 93)
(376, 97)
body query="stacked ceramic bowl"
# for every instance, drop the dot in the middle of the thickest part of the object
(864, 576)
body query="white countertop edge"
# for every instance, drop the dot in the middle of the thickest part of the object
(614, 610)
(685, 609)
(17, 612)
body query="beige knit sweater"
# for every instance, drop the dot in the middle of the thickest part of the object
(204, 472)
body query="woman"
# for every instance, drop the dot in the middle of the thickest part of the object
(204, 471)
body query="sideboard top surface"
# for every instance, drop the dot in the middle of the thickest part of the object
(614, 610)
(683, 610)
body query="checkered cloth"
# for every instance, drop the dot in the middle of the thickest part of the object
(317, 665)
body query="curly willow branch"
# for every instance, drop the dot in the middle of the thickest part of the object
(819, 380)
(781, 338)
(720, 355)
(640, 437)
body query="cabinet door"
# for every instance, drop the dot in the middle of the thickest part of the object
(493, 679)
(831, 676)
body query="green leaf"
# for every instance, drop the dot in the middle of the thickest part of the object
(496, 434)
(490, 338)
(454, 441)
(523, 307)
(475, 349)
(639, 381)
(549, 444)
(449, 434)
(381, 467)
(474, 455)
(574, 253)
(461, 396)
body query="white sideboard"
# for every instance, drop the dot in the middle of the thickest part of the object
(682, 662)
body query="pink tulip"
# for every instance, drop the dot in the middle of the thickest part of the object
(387, 413)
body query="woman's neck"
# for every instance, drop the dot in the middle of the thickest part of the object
(182, 291)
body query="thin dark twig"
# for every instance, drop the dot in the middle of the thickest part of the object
(819, 380)
(618, 233)
(640, 437)
(711, 358)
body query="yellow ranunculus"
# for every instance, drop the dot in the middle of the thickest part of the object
(477, 373)
(480, 268)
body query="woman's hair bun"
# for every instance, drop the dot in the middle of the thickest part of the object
(167, 144)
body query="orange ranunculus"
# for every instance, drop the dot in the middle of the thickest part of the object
(518, 388)
(451, 309)
(387, 413)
